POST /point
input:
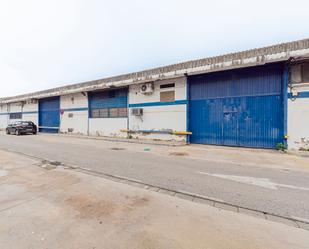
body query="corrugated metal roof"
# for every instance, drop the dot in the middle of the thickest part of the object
(253, 57)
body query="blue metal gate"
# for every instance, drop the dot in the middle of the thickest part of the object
(49, 115)
(237, 108)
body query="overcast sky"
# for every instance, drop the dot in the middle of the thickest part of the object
(49, 43)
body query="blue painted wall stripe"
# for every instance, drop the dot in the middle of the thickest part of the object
(8, 113)
(36, 112)
(177, 102)
(300, 95)
(76, 109)
(33, 112)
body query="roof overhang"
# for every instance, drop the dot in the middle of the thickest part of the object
(250, 58)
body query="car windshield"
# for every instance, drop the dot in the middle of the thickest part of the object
(23, 123)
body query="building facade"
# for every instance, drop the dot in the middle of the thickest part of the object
(257, 98)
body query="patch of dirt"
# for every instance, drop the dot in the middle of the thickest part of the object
(55, 163)
(179, 154)
(49, 166)
(115, 148)
(139, 202)
(89, 207)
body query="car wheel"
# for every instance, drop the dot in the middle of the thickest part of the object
(34, 133)
(7, 132)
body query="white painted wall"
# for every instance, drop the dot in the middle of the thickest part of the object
(79, 121)
(30, 112)
(298, 110)
(13, 107)
(3, 116)
(298, 121)
(109, 127)
(159, 118)
(135, 97)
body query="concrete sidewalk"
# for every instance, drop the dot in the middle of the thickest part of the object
(44, 206)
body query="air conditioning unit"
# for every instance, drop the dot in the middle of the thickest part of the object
(137, 111)
(147, 88)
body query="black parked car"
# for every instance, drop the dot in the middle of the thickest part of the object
(21, 127)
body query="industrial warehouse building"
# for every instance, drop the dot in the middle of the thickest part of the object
(257, 98)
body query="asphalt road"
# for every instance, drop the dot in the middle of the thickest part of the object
(273, 190)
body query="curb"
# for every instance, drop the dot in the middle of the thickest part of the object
(298, 153)
(126, 140)
(200, 199)
(221, 205)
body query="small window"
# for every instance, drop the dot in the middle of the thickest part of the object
(104, 113)
(305, 72)
(70, 115)
(17, 115)
(95, 113)
(167, 96)
(113, 112)
(122, 112)
(167, 86)
(109, 113)
(25, 123)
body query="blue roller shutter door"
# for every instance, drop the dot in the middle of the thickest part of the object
(49, 115)
(237, 108)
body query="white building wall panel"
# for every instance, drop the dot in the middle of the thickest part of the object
(298, 124)
(30, 107)
(135, 97)
(298, 121)
(30, 112)
(77, 100)
(34, 117)
(75, 113)
(15, 107)
(12, 108)
(3, 116)
(298, 108)
(3, 121)
(109, 127)
(159, 118)
(74, 122)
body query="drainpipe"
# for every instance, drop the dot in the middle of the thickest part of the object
(128, 111)
(88, 113)
(8, 113)
(285, 102)
(187, 109)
